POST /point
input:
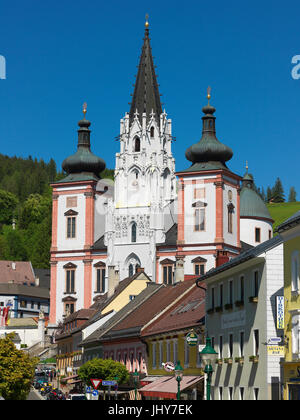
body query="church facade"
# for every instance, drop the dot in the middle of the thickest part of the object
(174, 225)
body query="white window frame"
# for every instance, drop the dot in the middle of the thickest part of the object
(295, 272)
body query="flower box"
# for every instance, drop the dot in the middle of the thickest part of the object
(239, 360)
(219, 362)
(228, 360)
(228, 306)
(219, 309)
(254, 359)
(253, 299)
(239, 303)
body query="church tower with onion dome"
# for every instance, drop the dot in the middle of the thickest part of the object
(208, 202)
(75, 200)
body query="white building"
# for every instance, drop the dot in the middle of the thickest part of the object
(242, 323)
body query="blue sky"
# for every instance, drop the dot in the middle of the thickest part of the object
(61, 54)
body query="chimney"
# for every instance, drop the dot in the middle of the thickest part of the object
(222, 258)
(113, 280)
(179, 269)
(13, 265)
(140, 270)
(37, 281)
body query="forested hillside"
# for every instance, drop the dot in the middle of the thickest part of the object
(25, 208)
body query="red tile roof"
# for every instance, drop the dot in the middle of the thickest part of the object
(188, 312)
(19, 272)
(154, 305)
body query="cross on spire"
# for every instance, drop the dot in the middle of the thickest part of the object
(146, 96)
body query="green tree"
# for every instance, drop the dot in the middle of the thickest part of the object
(106, 369)
(269, 194)
(34, 210)
(292, 195)
(12, 245)
(278, 192)
(8, 207)
(16, 370)
(40, 244)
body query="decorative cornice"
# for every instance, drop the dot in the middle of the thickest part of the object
(71, 213)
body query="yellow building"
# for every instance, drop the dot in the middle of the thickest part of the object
(290, 231)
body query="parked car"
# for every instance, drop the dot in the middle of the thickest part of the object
(76, 397)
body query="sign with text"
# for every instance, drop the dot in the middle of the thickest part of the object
(236, 319)
(276, 351)
(280, 312)
(108, 383)
(192, 338)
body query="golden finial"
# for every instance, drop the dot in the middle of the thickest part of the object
(208, 93)
(84, 109)
(147, 23)
(247, 167)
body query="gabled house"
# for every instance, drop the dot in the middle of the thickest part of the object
(167, 339)
(81, 324)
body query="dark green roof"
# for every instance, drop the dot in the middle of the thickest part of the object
(209, 153)
(252, 204)
(83, 176)
(83, 165)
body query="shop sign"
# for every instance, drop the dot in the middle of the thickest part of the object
(275, 350)
(192, 338)
(280, 312)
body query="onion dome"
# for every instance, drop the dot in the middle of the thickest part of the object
(252, 205)
(84, 161)
(209, 152)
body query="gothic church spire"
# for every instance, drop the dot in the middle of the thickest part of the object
(146, 97)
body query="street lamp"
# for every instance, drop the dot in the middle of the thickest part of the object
(209, 356)
(58, 377)
(116, 387)
(178, 375)
(136, 380)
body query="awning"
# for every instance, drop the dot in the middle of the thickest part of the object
(166, 386)
(70, 377)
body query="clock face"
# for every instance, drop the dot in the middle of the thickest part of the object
(230, 195)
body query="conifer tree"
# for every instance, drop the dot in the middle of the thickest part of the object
(278, 192)
(292, 195)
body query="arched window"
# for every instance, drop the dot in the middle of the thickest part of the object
(130, 270)
(137, 144)
(152, 132)
(133, 232)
